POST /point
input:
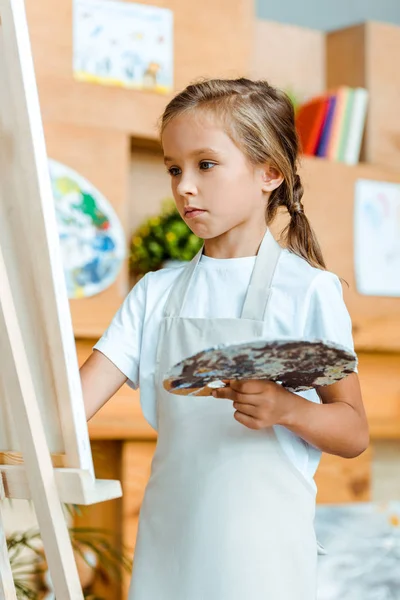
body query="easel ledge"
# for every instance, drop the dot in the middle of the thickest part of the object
(74, 486)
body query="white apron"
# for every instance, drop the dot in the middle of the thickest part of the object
(226, 515)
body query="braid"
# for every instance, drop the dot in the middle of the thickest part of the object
(301, 238)
(296, 206)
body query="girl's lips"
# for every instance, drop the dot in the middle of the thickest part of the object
(193, 213)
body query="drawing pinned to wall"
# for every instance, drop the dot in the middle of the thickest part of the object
(92, 239)
(377, 238)
(124, 44)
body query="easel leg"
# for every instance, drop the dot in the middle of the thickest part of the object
(7, 589)
(37, 460)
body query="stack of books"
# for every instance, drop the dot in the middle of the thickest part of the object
(332, 125)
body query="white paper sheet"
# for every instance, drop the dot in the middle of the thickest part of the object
(124, 44)
(377, 238)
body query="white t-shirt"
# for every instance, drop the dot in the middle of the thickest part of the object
(305, 303)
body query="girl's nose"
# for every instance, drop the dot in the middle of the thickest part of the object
(186, 187)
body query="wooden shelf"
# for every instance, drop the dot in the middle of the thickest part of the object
(329, 204)
(297, 65)
(365, 55)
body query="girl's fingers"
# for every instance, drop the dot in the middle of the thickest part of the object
(225, 392)
(230, 394)
(249, 422)
(247, 409)
(248, 386)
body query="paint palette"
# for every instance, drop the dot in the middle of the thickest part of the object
(298, 365)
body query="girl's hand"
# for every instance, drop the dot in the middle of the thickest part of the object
(338, 425)
(258, 403)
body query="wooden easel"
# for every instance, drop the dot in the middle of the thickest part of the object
(45, 451)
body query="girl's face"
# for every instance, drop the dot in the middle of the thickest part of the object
(215, 187)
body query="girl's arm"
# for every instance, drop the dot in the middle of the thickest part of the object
(337, 426)
(100, 379)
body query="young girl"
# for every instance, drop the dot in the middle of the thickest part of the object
(229, 508)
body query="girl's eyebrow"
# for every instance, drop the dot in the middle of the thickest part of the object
(194, 153)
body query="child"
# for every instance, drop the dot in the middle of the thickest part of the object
(228, 511)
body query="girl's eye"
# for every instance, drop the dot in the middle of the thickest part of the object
(173, 171)
(206, 165)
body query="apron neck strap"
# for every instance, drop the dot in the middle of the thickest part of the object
(178, 293)
(259, 288)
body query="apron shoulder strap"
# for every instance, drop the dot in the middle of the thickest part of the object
(178, 293)
(259, 289)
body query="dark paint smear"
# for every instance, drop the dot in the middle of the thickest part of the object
(303, 363)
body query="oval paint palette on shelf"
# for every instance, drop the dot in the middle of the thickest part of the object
(298, 365)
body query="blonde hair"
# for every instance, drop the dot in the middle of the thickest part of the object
(260, 120)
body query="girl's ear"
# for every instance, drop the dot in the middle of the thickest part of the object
(271, 178)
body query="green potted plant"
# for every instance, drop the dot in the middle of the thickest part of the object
(161, 239)
(94, 554)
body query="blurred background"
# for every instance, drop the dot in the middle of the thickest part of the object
(105, 71)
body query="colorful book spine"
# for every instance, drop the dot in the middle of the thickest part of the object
(338, 119)
(310, 119)
(332, 126)
(322, 149)
(346, 125)
(357, 126)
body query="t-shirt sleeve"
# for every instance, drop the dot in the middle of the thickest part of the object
(327, 317)
(122, 340)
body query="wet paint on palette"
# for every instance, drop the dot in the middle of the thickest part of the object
(299, 365)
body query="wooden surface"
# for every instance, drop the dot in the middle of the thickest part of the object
(385, 473)
(329, 205)
(16, 458)
(136, 463)
(199, 29)
(146, 165)
(366, 55)
(102, 157)
(344, 480)
(380, 384)
(106, 515)
(289, 57)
